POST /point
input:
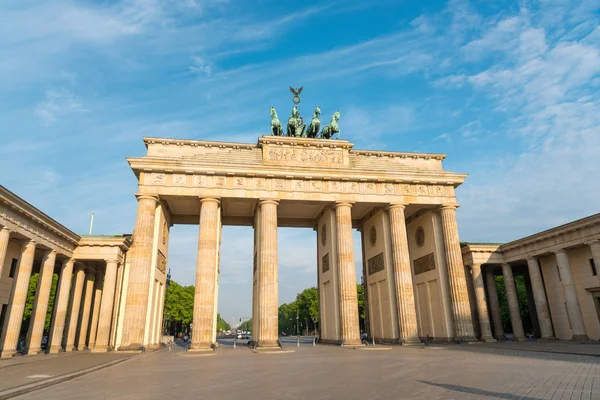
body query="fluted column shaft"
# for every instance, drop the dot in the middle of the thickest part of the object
(349, 329)
(268, 290)
(4, 238)
(16, 301)
(106, 307)
(539, 298)
(206, 275)
(513, 303)
(484, 319)
(85, 311)
(76, 294)
(57, 326)
(33, 342)
(456, 272)
(140, 268)
(405, 296)
(573, 307)
(98, 282)
(494, 304)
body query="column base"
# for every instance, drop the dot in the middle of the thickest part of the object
(100, 349)
(198, 347)
(55, 350)
(7, 354)
(547, 339)
(32, 352)
(488, 339)
(581, 337)
(411, 342)
(352, 343)
(519, 339)
(267, 343)
(468, 339)
(131, 347)
(69, 349)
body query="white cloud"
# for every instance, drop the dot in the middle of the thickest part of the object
(57, 104)
(200, 66)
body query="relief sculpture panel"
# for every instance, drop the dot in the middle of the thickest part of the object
(317, 156)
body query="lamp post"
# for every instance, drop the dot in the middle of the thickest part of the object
(167, 285)
(297, 329)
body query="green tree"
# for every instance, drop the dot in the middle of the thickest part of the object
(361, 307)
(222, 325)
(246, 325)
(523, 303)
(29, 302)
(179, 305)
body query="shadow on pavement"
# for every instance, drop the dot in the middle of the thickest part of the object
(479, 392)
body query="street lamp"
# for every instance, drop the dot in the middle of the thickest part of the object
(167, 285)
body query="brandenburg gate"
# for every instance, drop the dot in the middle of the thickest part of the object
(402, 203)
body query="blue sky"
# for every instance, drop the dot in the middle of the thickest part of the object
(508, 90)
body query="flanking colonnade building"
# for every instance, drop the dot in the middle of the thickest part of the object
(420, 281)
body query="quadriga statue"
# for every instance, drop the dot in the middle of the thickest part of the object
(333, 127)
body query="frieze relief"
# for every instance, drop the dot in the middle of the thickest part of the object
(300, 185)
(317, 156)
(161, 262)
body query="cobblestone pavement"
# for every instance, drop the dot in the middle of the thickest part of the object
(327, 372)
(23, 370)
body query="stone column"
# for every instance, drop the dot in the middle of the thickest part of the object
(75, 302)
(539, 298)
(349, 329)
(268, 324)
(484, 319)
(98, 282)
(85, 311)
(140, 268)
(456, 273)
(405, 296)
(57, 327)
(206, 275)
(494, 304)
(106, 307)
(594, 247)
(573, 308)
(16, 301)
(4, 238)
(513, 303)
(33, 343)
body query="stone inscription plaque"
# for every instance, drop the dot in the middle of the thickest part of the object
(424, 264)
(325, 263)
(317, 156)
(376, 264)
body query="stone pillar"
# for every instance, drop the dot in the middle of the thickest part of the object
(16, 301)
(206, 275)
(513, 303)
(456, 273)
(484, 319)
(106, 307)
(349, 328)
(75, 302)
(405, 296)
(573, 308)
(267, 299)
(594, 247)
(4, 238)
(140, 268)
(98, 282)
(539, 298)
(33, 343)
(57, 327)
(85, 311)
(494, 304)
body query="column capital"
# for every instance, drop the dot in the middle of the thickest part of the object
(143, 196)
(393, 206)
(28, 242)
(344, 204)
(67, 261)
(210, 200)
(476, 265)
(5, 229)
(530, 258)
(50, 251)
(268, 201)
(594, 242)
(112, 260)
(448, 206)
(506, 265)
(560, 251)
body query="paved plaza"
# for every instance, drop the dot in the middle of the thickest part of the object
(329, 372)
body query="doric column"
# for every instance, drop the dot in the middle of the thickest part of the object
(206, 275)
(349, 329)
(573, 308)
(513, 303)
(405, 296)
(494, 303)
(33, 343)
(456, 273)
(98, 282)
(539, 298)
(75, 302)
(106, 307)
(57, 326)
(140, 268)
(484, 319)
(4, 238)
(268, 324)
(16, 301)
(85, 311)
